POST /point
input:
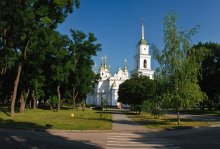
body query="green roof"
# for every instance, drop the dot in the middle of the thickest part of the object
(142, 41)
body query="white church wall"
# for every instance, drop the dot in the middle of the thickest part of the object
(148, 59)
(114, 97)
(143, 49)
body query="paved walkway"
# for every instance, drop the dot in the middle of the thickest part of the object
(127, 134)
(122, 123)
(136, 140)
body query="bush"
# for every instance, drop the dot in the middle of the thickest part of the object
(152, 107)
(53, 101)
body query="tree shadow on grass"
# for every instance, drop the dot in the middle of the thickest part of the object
(38, 138)
(5, 110)
(10, 123)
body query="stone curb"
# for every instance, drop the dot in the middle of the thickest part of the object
(102, 131)
(75, 131)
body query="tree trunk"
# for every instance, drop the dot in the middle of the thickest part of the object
(35, 104)
(5, 37)
(210, 104)
(44, 103)
(22, 104)
(4, 69)
(23, 100)
(202, 106)
(74, 99)
(30, 104)
(13, 98)
(51, 107)
(83, 106)
(75, 94)
(139, 111)
(3, 73)
(6, 101)
(58, 93)
(34, 100)
(178, 117)
(1, 78)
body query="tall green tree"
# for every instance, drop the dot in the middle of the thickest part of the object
(178, 70)
(136, 90)
(61, 65)
(23, 20)
(210, 73)
(82, 77)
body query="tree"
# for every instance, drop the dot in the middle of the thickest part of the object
(82, 77)
(61, 65)
(210, 73)
(23, 20)
(136, 90)
(179, 67)
(157, 103)
(34, 70)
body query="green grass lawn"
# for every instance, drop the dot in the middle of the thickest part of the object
(166, 122)
(38, 119)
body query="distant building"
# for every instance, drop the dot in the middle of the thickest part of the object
(108, 85)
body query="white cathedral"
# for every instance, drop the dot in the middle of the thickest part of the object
(108, 85)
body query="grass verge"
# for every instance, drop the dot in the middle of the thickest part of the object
(39, 119)
(167, 122)
(200, 112)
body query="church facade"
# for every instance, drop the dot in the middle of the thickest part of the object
(108, 85)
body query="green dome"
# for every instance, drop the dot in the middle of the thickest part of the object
(142, 41)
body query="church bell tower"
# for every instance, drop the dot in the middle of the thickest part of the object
(142, 58)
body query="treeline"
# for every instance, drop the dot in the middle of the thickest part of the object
(187, 77)
(37, 63)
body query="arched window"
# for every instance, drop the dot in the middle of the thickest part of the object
(145, 63)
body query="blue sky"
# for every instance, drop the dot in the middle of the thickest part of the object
(117, 24)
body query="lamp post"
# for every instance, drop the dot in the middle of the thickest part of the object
(101, 93)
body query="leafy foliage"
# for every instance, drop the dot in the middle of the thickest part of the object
(82, 49)
(210, 73)
(39, 63)
(135, 90)
(179, 67)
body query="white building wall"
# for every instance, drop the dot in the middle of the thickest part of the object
(110, 92)
(114, 98)
(143, 49)
(148, 59)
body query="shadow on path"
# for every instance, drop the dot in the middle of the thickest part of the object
(22, 139)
